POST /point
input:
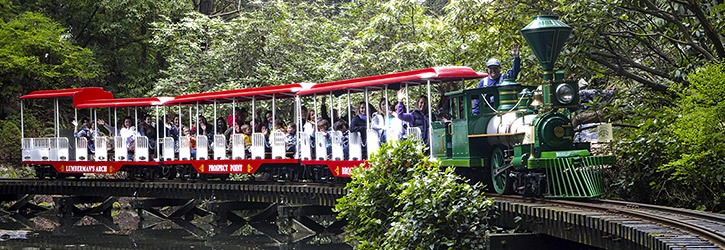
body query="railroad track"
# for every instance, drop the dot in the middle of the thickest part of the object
(684, 224)
(705, 225)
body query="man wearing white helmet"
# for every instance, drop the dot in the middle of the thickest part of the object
(493, 68)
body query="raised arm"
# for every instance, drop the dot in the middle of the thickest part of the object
(400, 108)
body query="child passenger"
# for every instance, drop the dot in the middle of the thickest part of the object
(186, 132)
(290, 139)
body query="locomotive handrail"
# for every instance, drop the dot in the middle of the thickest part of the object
(493, 135)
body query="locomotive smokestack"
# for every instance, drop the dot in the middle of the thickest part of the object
(546, 36)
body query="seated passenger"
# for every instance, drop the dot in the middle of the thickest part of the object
(323, 126)
(378, 122)
(359, 122)
(418, 118)
(128, 134)
(148, 129)
(342, 127)
(192, 140)
(310, 121)
(290, 139)
(87, 131)
(221, 126)
(204, 128)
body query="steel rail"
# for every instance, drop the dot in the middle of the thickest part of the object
(715, 238)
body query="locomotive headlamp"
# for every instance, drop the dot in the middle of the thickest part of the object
(564, 93)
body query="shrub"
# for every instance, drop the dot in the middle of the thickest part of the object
(404, 200)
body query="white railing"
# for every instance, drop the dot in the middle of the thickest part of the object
(220, 147)
(337, 147)
(320, 146)
(63, 149)
(413, 133)
(53, 150)
(202, 148)
(305, 146)
(373, 142)
(238, 147)
(41, 149)
(168, 150)
(355, 146)
(141, 152)
(81, 149)
(120, 149)
(184, 148)
(258, 146)
(101, 144)
(27, 145)
(278, 146)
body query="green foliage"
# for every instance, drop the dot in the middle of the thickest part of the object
(9, 142)
(404, 201)
(675, 157)
(35, 52)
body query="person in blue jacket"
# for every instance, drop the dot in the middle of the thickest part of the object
(493, 68)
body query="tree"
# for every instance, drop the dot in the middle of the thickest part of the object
(35, 52)
(119, 33)
(273, 45)
(404, 200)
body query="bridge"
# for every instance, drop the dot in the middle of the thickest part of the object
(601, 223)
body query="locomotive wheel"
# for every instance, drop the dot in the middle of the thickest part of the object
(501, 183)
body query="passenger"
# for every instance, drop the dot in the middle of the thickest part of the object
(309, 127)
(205, 128)
(241, 116)
(378, 122)
(221, 126)
(192, 140)
(397, 127)
(87, 131)
(148, 129)
(323, 127)
(359, 123)
(128, 134)
(290, 139)
(172, 126)
(493, 68)
(418, 118)
(268, 117)
(247, 135)
(342, 127)
(303, 114)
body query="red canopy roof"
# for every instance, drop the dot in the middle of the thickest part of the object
(421, 76)
(260, 93)
(125, 102)
(79, 95)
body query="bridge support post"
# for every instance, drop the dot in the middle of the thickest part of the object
(67, 206)
(22, 204)
(299, 216)
(184, 213)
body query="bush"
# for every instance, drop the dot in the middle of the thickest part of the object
(10, 145)
(404, 200)
(676, 156)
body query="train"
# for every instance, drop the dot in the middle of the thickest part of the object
(521, 141)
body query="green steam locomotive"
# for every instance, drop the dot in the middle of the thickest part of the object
(522, 140)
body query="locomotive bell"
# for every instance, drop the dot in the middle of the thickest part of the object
(546, 36)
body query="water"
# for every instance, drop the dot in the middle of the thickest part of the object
(126, 230)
